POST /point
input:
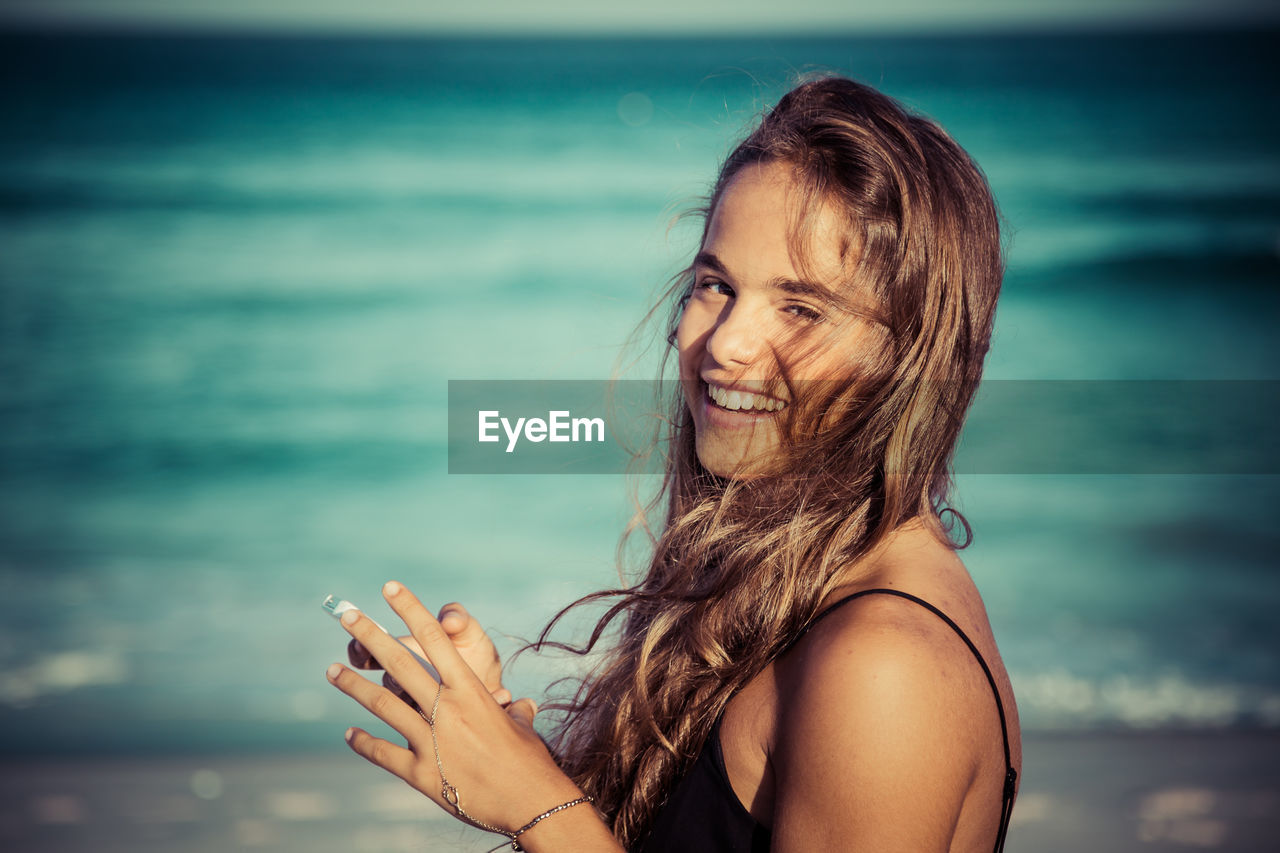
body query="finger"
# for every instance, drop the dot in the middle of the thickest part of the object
(394, 658)
(455, 619)
(502, 696)
(380, 702)
(389, 682)
(463, 629)
(523, 711)
(412, 645)
(360, 658)
(438, 648)
(387, 755)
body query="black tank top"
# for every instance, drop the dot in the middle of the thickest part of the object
(704, 815)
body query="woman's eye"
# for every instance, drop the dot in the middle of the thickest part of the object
(717, 287)
(803, 312)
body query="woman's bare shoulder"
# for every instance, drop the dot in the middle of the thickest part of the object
(875, 642)
(874, 732)
(915, 563)
(883, 695)
(915, 638)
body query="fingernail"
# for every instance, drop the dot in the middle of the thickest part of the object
(350, 733)
(391, 588)
(334, 670)
(350, 617)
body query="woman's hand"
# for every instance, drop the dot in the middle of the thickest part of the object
(471, 641)
(479, 760)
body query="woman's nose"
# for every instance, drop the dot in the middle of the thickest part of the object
(737, 336)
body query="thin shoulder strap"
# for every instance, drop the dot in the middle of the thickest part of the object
(1011, 775)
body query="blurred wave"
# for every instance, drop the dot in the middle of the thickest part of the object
(237, 274)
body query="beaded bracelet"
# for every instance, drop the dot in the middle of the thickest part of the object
(515, 843)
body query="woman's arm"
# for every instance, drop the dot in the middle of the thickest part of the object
(498, 770)
(876, 747)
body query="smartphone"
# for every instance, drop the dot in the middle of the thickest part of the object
(335, 607)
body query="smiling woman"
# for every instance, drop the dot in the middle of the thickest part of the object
(806, 663)
(750, 326)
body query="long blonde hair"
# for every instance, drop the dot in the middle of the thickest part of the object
(741, 566)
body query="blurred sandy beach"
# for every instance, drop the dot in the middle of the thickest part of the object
(1105, 793)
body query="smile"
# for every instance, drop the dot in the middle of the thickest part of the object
(742, 401)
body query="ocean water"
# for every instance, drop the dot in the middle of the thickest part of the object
(237, 274)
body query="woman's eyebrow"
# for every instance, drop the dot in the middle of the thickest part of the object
(798, 287)
(710, 261)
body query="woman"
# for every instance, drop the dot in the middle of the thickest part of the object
(806, 664)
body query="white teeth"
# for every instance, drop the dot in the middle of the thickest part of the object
(743, 400)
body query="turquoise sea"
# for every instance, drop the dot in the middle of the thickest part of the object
(236, 275)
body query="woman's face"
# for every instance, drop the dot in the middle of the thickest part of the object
(752, 318)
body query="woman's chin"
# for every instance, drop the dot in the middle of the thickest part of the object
(730, 460)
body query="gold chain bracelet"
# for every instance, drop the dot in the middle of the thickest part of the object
(449, 793)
